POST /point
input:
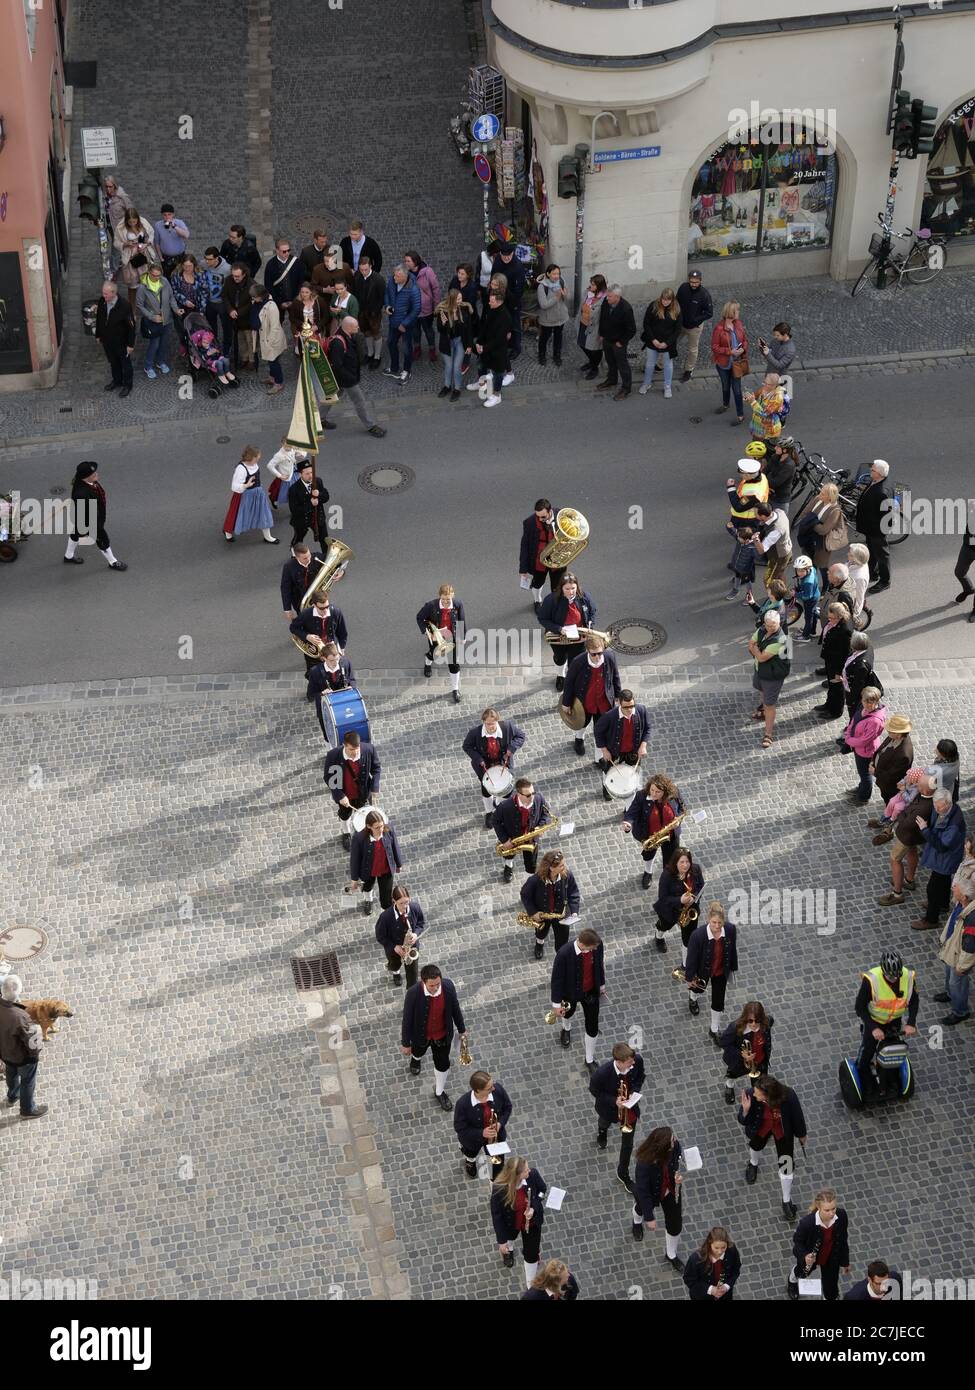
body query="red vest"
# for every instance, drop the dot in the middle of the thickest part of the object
(717, 957)
(493, 754)
(380, 862)
(350, 777)
(543, 530)
(437, 1017)
(771, 1124)
(594, 701)
(525, 813)
(588, 972)
(627, 735)
(446, 619)
(573, 616)
(521, 1206)
(826, 1249)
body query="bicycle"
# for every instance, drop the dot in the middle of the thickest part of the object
(925, 256)
(813, 472)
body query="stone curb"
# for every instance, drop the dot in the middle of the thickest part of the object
(650, 679)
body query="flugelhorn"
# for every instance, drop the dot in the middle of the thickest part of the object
(337, 557)
(521, 842)
(622, 1097)
(665, 831)
(559, 639)
(551, 1015)
(570, 539)
(465, 1052)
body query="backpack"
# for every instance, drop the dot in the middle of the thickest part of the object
(786, 407)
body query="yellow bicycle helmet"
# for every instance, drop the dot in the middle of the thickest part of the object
(756, 449)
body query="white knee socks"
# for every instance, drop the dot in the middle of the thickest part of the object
(530, 1272)
(786, 1179)
(455, 680)
(440, 1077)
(72, 547)
(716, 1021)
(590, 1048)
(672, 1243)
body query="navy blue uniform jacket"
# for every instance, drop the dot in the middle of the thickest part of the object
(700, 950)
(609, 728)
(369, 771)
(604, 1085)
(390, 930)
(567, 972)
(475, 746)
(335, 629)
(469, 1119)
(503, 1217)
(648, 1180)
(579, 673)
(360, 858)
(416, 1008)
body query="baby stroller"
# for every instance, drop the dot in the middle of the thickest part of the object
(206, 360)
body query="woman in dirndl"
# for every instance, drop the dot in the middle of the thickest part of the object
(249, 508)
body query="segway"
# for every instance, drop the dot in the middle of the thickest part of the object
(889, 1076)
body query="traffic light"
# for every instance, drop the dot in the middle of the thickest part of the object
(896, 79)
(569, 176)
(922, 135)
(903, 123)
(89, 191)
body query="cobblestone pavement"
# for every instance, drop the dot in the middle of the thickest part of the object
(205, 1141)
(377, 147)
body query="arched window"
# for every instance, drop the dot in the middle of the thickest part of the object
(948, 206)
(753, 198)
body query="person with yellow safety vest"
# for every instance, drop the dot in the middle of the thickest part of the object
(745, 494)
(887, 994)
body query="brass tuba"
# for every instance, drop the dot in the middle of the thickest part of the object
(570, 539)
(337, 556)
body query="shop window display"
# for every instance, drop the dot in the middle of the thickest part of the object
(755, 198)
(948, 207)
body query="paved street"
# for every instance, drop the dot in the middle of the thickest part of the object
(215, 1132)
(166, 504)
(179, 851)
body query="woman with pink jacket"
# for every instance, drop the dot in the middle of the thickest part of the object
(430, 296)
(729, 348)
(863, 736)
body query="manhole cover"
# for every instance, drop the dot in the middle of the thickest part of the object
(696, 419)
(387, 477)
(333, 223)
(223, 438)
(636, 636)
(316, 972)
(22, 942)
(57, 491)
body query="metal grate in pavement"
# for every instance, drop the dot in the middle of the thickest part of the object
(316, 972)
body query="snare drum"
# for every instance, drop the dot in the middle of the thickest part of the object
(343, 712)
(622, 781)
(359, 817)
(498, 781)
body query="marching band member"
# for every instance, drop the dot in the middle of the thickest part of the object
(375, 857)
(296, 575)
(821, 1238)
(657, 1180)
(480, 1118)
(431, 1011)
(681, 886)
(621, 734)
(553, 889)
(712, 1271)
(579, 977)
(517, 1210)
(524, 810)
(610, 1084)
(494, 744)
(553, 1280)
(651, 809)
(712, 958)
(566, 607)
(882, 1283)
(593, 678)
(392, 924)
(318, 624)
(333, 672)
(769, 1108)
(747, 1046)
(352, 775)
(446, 613)
(537, 531)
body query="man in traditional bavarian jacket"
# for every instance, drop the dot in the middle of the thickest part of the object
(431, 1011)
(594, 679)
(579, 977)
(887, 993)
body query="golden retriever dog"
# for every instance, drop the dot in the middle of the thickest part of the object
(45, 1012)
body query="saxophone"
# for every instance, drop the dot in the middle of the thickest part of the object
(622, 1109)
(526, 841)
(689, 913)
(525, 920)
(657, 838)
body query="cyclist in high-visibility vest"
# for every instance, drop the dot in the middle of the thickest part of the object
(745, 494)
(887, 994)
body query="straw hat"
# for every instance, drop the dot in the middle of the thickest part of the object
(898, 724)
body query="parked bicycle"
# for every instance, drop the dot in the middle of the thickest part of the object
(925, 256)
(813, 471)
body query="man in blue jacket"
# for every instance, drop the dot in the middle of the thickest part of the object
(944, 849)
(402, 309)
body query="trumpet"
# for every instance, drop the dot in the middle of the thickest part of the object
(496, 1159)
(748, 1057)
(559, 639)
(465, 1052)
(521, 842)
(438, 641)
(551, 1015)
(658, 836)
(525, 920)
(622, 1108)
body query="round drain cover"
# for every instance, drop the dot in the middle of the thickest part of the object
(637, 636)
(22, 942)
(223, 438)
(387, 477)
(696, 419)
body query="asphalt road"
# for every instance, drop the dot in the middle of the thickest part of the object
(477, 476)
